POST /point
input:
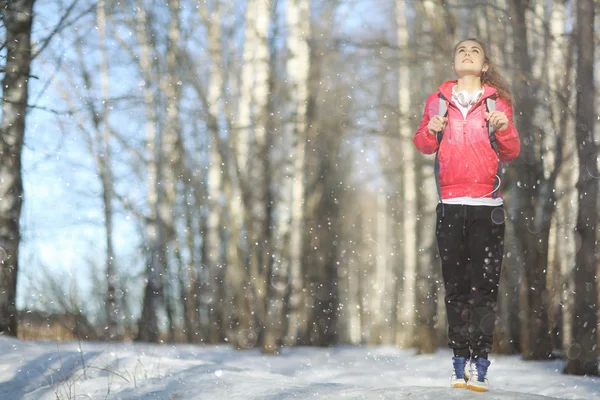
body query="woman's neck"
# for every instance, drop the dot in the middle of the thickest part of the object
(470, 83)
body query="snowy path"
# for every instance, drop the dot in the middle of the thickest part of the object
(41, 370)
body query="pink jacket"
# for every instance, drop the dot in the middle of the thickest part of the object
(468, 164)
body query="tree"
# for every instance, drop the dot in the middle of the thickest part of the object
(155, 233)
(104, 169)
(213, 237)
(534, 197)
(582, 354)
(406, 316)
(17, 17)
(288, 236)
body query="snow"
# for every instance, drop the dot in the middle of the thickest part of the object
(51, 370)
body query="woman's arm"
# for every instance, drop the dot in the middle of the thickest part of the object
(508, 140)
(426, 142)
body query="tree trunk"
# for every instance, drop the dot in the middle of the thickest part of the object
(291, 224)
(258, 205)
(560, 72)
(321, 281)
(172, 156)
(582, 354)
(252, 145)
(409, 218)
(111, 302)
(190, 283)
(148, 330)
(319, 307)
(535, 195)
(17, 17)
(212, 239)
(426, 304)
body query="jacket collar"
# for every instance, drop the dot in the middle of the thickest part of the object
(446, 90)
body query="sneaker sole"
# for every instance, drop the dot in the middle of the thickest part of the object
(476, 389)
(459, 385)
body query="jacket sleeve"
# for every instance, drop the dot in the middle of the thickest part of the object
(425, 142)
(508, 140)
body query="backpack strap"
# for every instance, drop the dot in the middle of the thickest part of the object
(490, 103)
(442, 112)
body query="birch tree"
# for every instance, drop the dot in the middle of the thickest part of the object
(259, 221)
(104, 167)
(98, 139)
(438, 32)
(251, 146)
(290, 225)
(582, 354)
(560, 78)
(534, 191)
(213, 243)
(154, 291)
(17, 17)
(171, 150)
(409, 210)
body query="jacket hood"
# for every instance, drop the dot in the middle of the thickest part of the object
(446, 89)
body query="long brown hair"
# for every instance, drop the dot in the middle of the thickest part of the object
(491, 77)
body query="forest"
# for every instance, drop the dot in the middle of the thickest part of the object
(243, 172)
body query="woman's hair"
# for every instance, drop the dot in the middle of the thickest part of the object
(491, 77)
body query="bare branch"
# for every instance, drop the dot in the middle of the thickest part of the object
(61, 25)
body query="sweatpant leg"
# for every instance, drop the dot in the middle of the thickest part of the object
(486, 246)
(454, 256)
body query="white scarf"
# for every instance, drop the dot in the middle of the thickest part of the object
(465, 100)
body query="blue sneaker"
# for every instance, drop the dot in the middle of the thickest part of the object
(460, 376)
(478, 381)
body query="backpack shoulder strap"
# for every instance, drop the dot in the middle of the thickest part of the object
(442, 112)
(490, 103)
(443, 105)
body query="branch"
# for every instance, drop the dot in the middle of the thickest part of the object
(62, 25)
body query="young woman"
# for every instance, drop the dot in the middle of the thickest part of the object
(473, 134)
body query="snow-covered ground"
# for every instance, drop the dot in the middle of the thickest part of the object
(92, 370)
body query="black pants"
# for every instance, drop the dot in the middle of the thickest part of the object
(471, 244)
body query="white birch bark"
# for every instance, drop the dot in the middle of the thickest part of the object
(244, 115)
(152, 303)
(556, 80)
(572, 243)
(298, 68)
(407, 310)
(425, 298)
(250, 134)
(536, 20)
(104, 166)
(172, 154)
(17, 19)
(380, 311)
(254, 86)
(260, 174)
(212, 19)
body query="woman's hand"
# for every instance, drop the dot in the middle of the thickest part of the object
(498, 119)
(436, 124)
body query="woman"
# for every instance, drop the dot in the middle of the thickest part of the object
(472, 136)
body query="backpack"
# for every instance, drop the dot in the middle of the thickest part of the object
(490, 103)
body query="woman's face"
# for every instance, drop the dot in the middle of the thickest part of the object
(469, 59)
